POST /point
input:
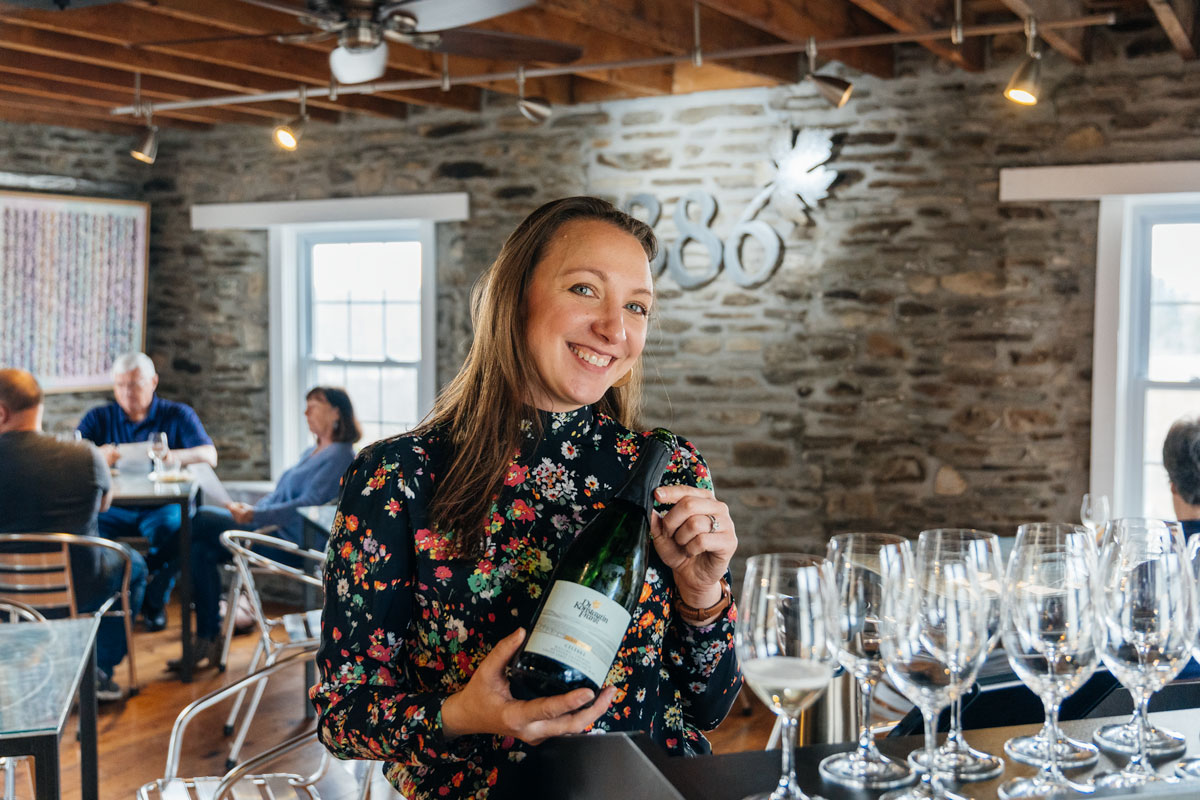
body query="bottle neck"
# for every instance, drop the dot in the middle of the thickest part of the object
(646, 475)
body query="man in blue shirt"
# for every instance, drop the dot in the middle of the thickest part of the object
(1181, 457)
(135, 416)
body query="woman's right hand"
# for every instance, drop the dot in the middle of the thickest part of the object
(485, 704)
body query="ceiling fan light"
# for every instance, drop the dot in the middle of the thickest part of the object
(1026, 83)
(535, 109)
(147, 149)
(835, 90)
(358, 66)
(287, 135)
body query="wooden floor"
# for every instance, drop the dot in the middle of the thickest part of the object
(133, 733)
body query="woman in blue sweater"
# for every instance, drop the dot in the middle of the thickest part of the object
(314, 480)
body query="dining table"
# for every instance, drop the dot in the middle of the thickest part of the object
(43, 666)
(143, 490)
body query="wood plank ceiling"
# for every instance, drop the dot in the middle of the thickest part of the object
(72, 67)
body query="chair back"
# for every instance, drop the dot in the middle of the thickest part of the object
(16, 611)
(37, 572)
(248, 557)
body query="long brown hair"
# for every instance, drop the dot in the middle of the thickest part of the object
(482, 407)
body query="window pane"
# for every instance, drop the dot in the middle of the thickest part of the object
(362, 383)
(364, 269)
(404, 331)
(401, 274)
(1174, 273)
(372, 432)
(331, 325)
(1175, 340)
(400, 395)
(328, 375)
(1156, 493)
(328, 280)
(366, 332)
(1163, 407)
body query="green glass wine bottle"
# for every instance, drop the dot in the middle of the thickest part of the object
(578, 627)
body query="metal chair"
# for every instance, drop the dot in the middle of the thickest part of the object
(301, 631)
(236, 589)
(42, 579)
(243, 781)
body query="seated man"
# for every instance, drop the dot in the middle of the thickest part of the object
(1181, 457)
(47, 486)
(136, 415)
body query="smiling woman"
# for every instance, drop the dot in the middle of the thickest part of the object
(446, 538)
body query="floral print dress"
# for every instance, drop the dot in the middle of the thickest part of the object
(405, 625)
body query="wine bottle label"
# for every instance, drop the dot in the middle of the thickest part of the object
(581, 628)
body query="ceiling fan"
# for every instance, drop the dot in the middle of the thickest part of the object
(364, 27)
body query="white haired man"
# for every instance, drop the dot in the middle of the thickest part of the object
(136, 414)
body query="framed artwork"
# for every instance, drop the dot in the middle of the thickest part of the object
(72, 286)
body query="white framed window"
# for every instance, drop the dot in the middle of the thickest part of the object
(1162, 345)
(324, 255)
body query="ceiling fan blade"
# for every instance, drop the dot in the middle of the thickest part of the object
(441, 15)
(501, 46)
(281, 6)
(307, 37)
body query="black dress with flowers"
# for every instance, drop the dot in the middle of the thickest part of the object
(405, 625)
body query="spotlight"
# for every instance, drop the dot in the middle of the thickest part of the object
(835, 90)
(147, 151)
(1026, 83)
(534, 109)
(287, 134)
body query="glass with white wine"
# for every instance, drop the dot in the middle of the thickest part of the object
(784, 644)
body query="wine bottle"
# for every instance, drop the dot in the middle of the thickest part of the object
(578, 627)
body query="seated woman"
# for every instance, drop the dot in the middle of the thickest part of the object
(446, 537)
(312, 481)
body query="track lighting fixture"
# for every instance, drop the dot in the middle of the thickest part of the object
(534, 109)
(835, 90)
(147, 149)
(287, 134)
(1026, 83)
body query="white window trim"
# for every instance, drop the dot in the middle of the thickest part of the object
(282, 221)
(1120, 188)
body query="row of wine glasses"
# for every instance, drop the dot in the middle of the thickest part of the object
(929, 619)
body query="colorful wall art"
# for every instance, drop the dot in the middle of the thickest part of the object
(72, 286)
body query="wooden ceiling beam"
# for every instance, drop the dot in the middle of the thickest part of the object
(70, 109)
(1073, 43)
(598, 46)
(104, 99)
(153, 88)
(122, 25)
(667, 27)
(919, 16)
(1178, 19)
(227, 80)
(795, 22)
(33, 116)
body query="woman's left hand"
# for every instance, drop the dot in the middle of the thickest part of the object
(242, 513)
(696, 539)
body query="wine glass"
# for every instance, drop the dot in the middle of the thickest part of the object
(861, 563)
(1147, 608)
(1093, 512)
(933, 632)
(158, 451)
(1052, 633)
(784, 644)
(956, 756)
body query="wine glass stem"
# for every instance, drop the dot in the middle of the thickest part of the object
(788, 788)
(1053, 773)
(954, 740)
(866, 742)
(1138, 762)
(929, 778)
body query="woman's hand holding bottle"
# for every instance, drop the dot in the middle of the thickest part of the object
(485, 704)
(696, 539)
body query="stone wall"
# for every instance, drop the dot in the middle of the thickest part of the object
(921, 357)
